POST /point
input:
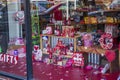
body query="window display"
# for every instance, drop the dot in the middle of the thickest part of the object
(66, 39)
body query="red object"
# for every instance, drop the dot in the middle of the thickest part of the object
(78, 59)
(72, 31)
(58, 15)
(106, 41)
(110, 55)
(50, 55)
(36, 47)
(49, 50)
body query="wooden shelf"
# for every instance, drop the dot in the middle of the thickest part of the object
(100, 23)
(114, 65)
(81, 10)
(96, 11)
(93, 49)
(103, 11)
(10, 47)
(112, 10)
(49, 39)
(67, 56)
(52, 35)
(53, 24)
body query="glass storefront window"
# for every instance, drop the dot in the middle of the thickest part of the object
(56, 39)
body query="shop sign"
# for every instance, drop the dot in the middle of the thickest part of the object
(9, 58)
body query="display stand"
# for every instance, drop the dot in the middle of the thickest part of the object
(93, 20)
(114, 66)
(49, 40)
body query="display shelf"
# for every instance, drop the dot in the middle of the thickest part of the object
(14, 47)
(52, 35)
(103, 11)
(67, 56)
(112, 10)
(49, 39)
(51, 24)
(94, 49)
(96, 11)
(81, 10)
(114, 66)
(99, 23)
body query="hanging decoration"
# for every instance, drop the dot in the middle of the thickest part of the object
(106, 41)
(19, 16)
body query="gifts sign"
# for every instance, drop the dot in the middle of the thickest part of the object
(9, 58)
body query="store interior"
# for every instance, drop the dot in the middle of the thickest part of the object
(71, 39)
